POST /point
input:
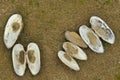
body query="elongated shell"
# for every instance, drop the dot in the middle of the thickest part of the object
(75, 38)
(33, 58)
(74, 51)
(68, 60)
(102, 29)
(12, 30)
(91, 39)
(18, 59)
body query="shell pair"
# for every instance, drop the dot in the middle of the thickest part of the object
(87, 38)
(20, 58)
(71, 51)
(99, 29)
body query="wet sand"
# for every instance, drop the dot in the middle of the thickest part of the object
(45, 22)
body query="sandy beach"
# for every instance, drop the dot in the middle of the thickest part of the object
(45, 22)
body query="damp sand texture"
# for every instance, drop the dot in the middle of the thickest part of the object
(45, 22)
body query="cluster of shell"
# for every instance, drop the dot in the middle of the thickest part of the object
(20, 57)
(88, 37)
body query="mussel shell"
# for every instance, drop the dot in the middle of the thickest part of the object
(91, 39)
(75, 38)
(102, 29)
(12, 30)
(68, 60)
(18, 59)
(74, 51)
(33, 58)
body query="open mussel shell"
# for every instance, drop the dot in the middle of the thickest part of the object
(75, 38)
(74, 51)
(102, 29)
(33, 58)
(68, 60)
(12, 30)
(18, 59)
(91, 39)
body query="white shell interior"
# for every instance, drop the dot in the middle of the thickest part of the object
(98, 24)
(80, 53)
(34, 67)
(84, 30)
(11, 36)
(71, 64)
(18, 67)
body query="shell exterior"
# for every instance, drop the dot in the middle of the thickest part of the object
(12, 30)
(102, 29)
(19, 66)
(33, 58)
(91, 39)
(75, 38)
(74, 51)
(68, 60)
